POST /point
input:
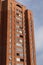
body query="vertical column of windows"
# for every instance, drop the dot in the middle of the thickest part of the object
(10, 46)
(19, 37)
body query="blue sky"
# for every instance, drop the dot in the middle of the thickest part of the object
(37, 8)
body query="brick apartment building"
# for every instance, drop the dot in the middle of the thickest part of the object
(17, 45)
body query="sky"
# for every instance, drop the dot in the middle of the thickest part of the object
(37, 8)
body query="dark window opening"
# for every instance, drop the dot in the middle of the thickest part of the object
(18, 22)
(21, 27)
(17, 14)
(21, 36)
(17, 54)
(21, 59)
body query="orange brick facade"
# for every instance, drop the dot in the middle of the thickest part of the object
(17, 45)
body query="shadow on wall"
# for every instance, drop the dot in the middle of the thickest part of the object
(3, 33)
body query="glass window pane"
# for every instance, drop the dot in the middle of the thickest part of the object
(17, 59)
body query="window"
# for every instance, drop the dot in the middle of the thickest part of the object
(21, 55)
(17, 54)
(10, 34)
(19, 49)
(21, 59)
(18, 22)
(10, 17)
(10, 51)
(17, 30)
(17, 39)
(10, 29)
(20, 15)
(30, 29)
(10, 57)
(10, 40)
(19, 11)
(18, 18)
(21, 40)
(16, 9)
(21, 27)
(18, 44)
(10, 45)
(17, 59)
(21, 36)
(20, 31)
(19, 64)
(17, 35)
(10, 63)
(17, 26)
(17, 14)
